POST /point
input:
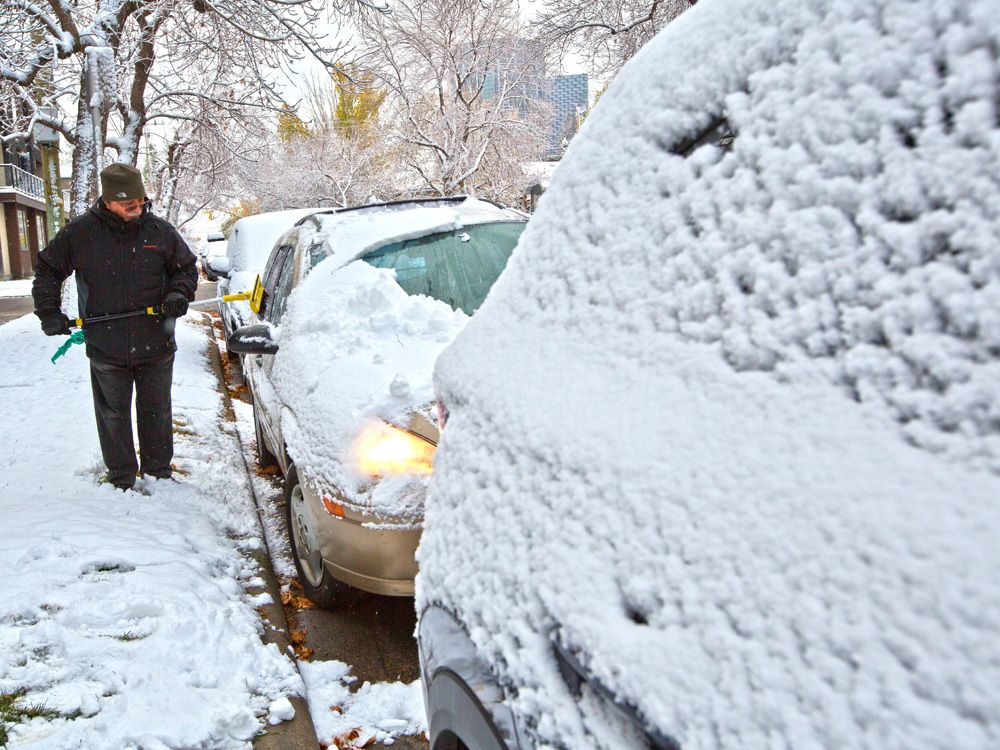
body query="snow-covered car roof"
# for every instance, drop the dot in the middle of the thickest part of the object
(252, 238)
(728, 427)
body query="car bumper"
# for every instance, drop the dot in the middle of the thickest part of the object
(461, 697)
(379, 560)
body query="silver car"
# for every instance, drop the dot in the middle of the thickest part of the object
(341, 540)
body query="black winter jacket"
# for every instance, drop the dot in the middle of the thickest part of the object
(120, 267)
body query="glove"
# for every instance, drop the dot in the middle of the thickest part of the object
(55, 324)
(174, 305)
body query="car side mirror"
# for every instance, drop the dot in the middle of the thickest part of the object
(253, 339)
(221, 265)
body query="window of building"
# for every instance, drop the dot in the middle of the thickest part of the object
(22, 230)
(43, 238)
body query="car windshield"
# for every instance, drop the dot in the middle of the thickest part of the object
(457, 267)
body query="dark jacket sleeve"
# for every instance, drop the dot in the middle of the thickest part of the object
(52, 268)
(182, 269)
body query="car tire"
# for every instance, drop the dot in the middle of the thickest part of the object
(265, 458)
(317, 583)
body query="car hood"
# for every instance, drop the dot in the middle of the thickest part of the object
(354, 347)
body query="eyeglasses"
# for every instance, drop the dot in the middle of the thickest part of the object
(127, 205)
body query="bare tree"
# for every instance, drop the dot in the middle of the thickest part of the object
(606, 33)
(465, 90)
(341, 156)
(168, 62)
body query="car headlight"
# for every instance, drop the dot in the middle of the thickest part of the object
(382, 449)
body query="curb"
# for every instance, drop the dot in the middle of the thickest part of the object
(298, 732)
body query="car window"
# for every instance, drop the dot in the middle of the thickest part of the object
(318, 251)
(272, 268)
(283, 286)
(457, 267)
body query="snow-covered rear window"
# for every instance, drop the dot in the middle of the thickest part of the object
(456, 267)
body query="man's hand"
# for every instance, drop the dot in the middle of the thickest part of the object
(174, 305)
(55, 324)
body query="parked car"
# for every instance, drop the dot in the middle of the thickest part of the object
(721, 460)
(251, 240)
(214, 248)
(358, 303)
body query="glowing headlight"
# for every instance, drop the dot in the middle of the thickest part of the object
(382, 449)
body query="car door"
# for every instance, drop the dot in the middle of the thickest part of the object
(263, 394)
(283, 277)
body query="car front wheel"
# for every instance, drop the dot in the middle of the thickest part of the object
(317, 583)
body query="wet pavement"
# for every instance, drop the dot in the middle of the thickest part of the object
(12, 308)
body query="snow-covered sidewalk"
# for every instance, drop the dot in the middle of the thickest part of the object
(125, 620)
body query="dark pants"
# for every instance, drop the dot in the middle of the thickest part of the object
(112, 385)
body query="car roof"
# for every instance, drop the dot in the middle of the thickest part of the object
(401, 204)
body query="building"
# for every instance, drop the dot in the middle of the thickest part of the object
(23, 211)
(567, 95)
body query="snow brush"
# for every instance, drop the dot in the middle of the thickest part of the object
(255, 296)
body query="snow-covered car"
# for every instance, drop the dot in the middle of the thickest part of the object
(251, 240)
(721, 459)
(358, 303)
(213, 250)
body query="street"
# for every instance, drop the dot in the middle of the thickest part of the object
(14, 307)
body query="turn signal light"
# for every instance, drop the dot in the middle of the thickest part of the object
(333, 508)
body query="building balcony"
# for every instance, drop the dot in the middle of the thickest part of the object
(16, 179)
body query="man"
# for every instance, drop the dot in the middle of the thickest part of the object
(125, 259)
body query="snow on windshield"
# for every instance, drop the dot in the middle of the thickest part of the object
(728, 425)
(356, 347)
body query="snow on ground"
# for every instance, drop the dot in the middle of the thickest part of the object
(264, 487)
(127, 614)
(379, 711)
(128, 610)
(16, 288)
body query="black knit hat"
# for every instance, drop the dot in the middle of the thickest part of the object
(120, 182)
